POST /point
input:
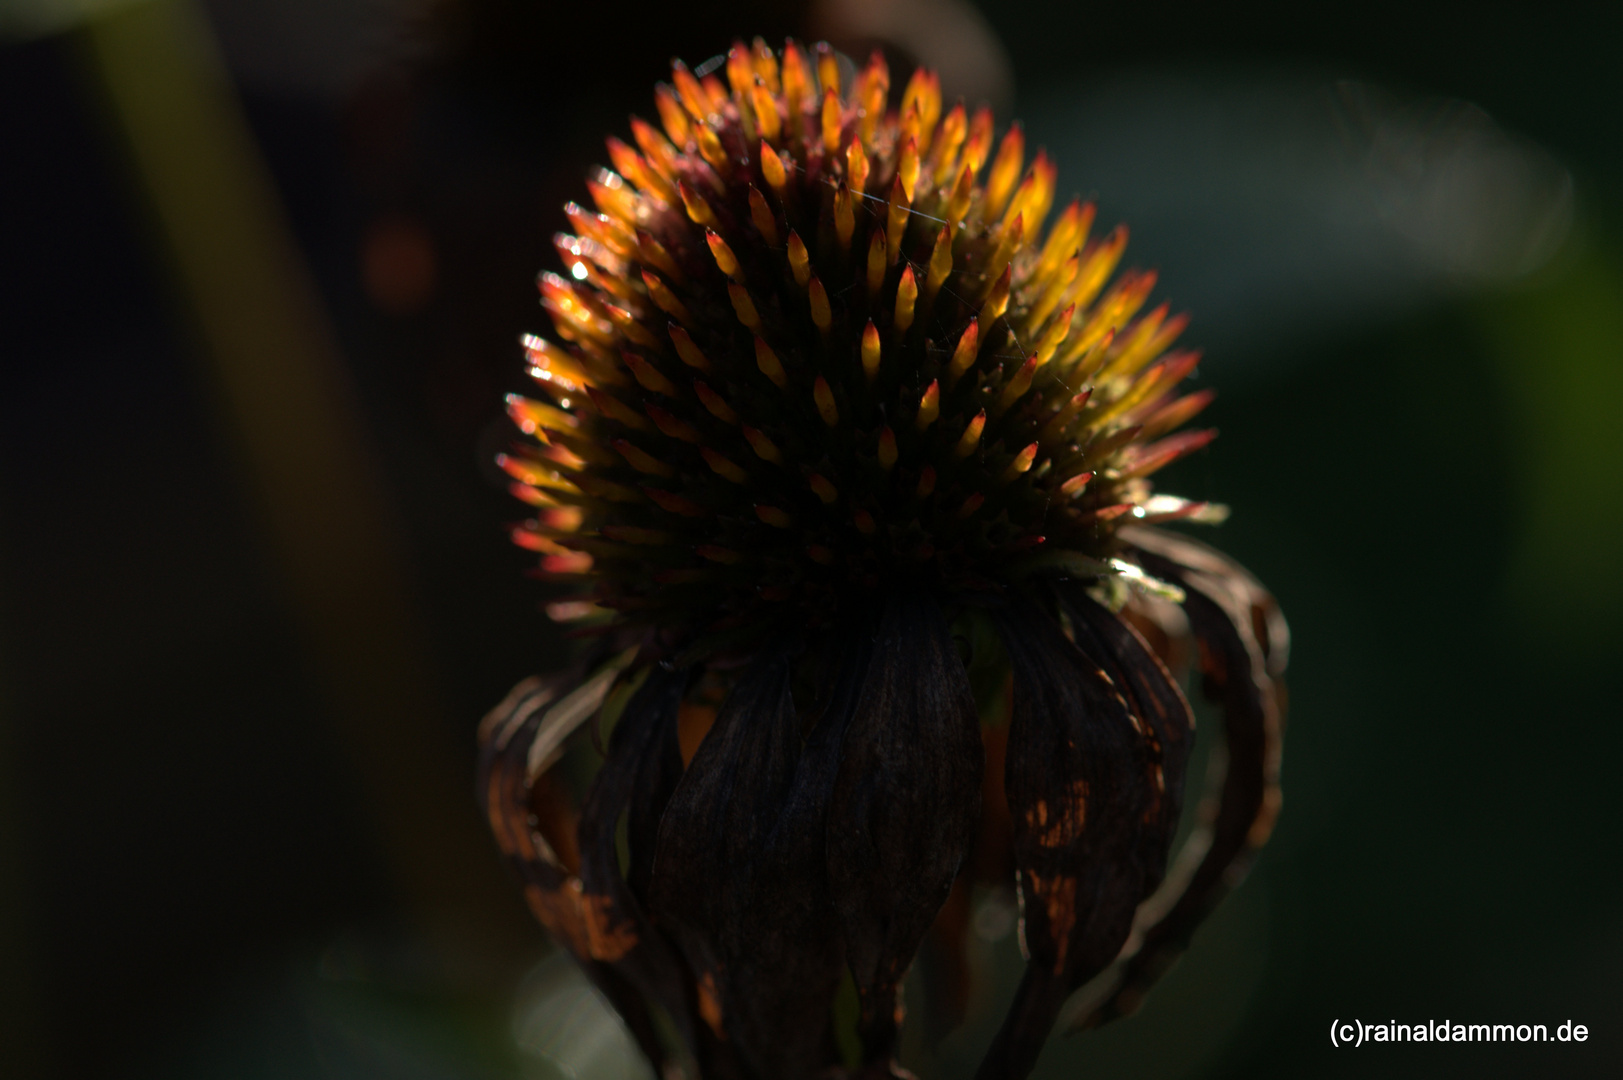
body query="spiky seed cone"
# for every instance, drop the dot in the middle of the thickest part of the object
(809, 345)
(828, 389)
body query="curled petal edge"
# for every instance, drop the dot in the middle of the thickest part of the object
(1243, 649)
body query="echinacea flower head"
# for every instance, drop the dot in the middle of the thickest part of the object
(842, 456)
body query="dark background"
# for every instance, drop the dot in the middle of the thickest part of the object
(255, 590)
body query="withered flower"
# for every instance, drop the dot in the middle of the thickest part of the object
(848, 460)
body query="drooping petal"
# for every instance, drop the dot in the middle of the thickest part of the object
(906, 805)
(659, 770)
(1153, 696)
(1267, 623)
(518, 741)
(1086, 846)
(791, 892)
(505, 737)
(619, 932)
(1243, 645)
(746, 895)
(728, 799)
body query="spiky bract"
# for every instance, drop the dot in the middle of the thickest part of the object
(813, 344)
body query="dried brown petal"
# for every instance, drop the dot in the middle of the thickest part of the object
(507, 736)
(1152, 695)
(906, 804)
(729, 869)
(618, 930)
(1243, 646)
(1078, 791)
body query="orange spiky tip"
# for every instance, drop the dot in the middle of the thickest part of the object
(806, 344)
